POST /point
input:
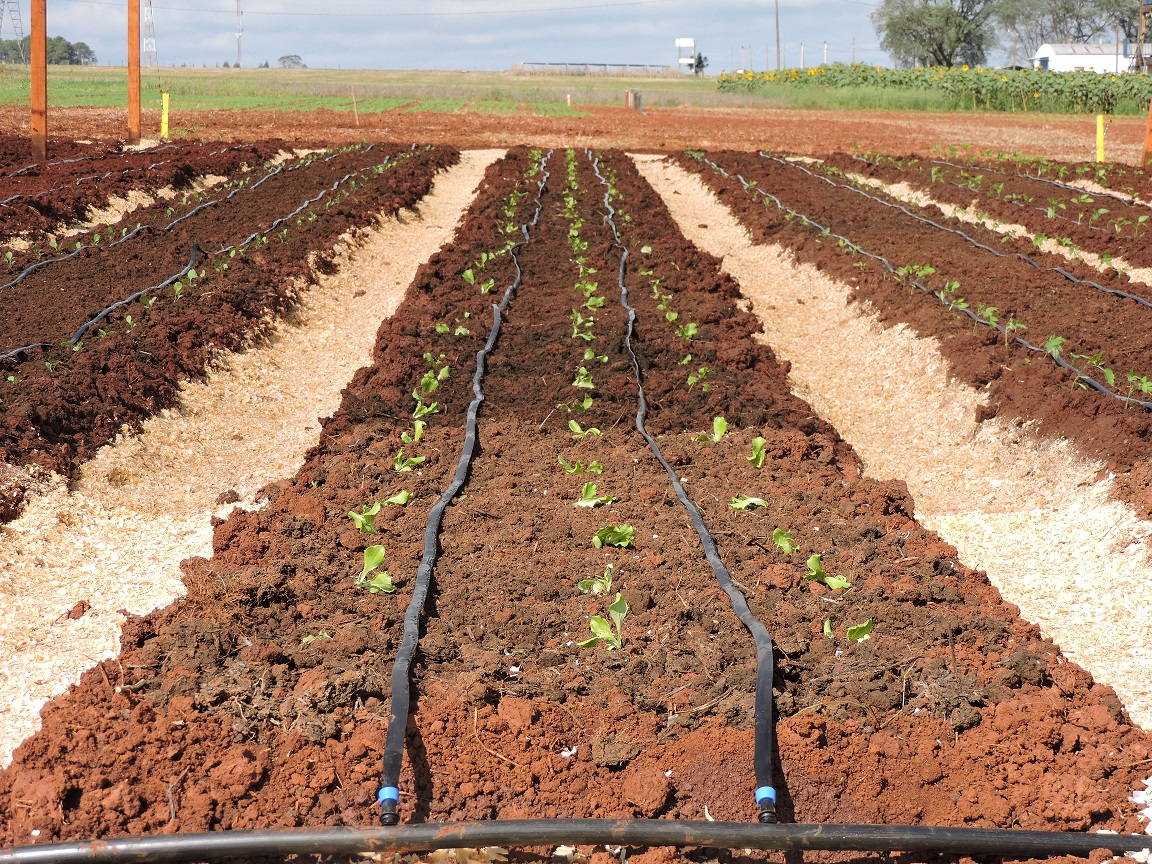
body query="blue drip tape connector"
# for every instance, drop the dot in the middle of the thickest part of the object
(766, 801)
(389, 797)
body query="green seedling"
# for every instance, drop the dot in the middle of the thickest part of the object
(1013, 326)
(816, 573)
(687, 359)
(365, 520)
(469, 276)
(698, 378)
(620, 536)
(12, 379)
(177, 291)
(461, 330)
(597, 584)
(987, 313)
(399, 463)
(416, 434)
(1097, 360)
(784, 540)
(646, 250)
(423, 410)
(759, 451)
(400, 499)
(687, 331)
(590, 354)
(487, 286)
(128, 320)
(315, 637)
(582, 325)
(1138, 384)
(602, 631)
(442, 328)
(828, 628)
(719, 430)
(589, 498)
(374, 582)
(746, 502)
(584, 380)
(580, 467)
(1054, 346)
(576, 405)
(860, 632)
(579, 432)
(595, 303)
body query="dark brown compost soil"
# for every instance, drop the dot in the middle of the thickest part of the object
(262, 698)
(60, 402)
(1022, 385)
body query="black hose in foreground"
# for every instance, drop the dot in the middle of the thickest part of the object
(389, 794)
(765, 668)
(220, 845)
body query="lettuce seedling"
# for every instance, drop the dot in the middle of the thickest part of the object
(828, 628)
(469, 276)
(698, 378)
(784, 540)
(816, 573)
(579, 432)
(423, 410)
(315, 637)
(576, 405)
(579, 467)
(758, 452)
(687, 331)
(860, 632)
(400, 499)
(620, 536)
(584, 380)
(746, 502)
(374, 582)
(602, 631)
(719, 430)
(442, 328)
(597, 584)
(365, 520)
(589, 498)
(417, 433)
(590, 354)
(399, 463)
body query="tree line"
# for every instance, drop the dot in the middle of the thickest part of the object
(60, 51)
(955, 32)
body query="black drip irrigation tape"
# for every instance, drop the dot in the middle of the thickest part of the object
(1047, 180)
(22, 349)
(1074, 279)
(389, 794)
(28, 168)
(765, 794)
(939, 295)
(223, 845)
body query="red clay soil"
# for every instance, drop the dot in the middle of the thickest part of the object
(262, 698)
(59, 404)
(800, 131)
(1022, 385)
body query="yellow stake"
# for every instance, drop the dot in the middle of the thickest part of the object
(1099, 137)
(164, 116)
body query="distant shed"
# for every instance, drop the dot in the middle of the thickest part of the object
(1070, 57)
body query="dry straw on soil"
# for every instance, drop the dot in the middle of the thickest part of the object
(1027, 510)
(114, 541)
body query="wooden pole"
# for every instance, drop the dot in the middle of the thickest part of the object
(133, 71)
(38, 63)
(1147, 157)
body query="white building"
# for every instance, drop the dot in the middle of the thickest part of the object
(1070, 57)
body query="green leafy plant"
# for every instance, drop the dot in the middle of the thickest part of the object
(597, 584)
(589, 498)
(719, 430)
(828, 628)
(1055, 345)
(620, 536)
(315, 637)
(417, 433)
(759, 451)
(400, 463)
(580, 433)
(365, 520)
(784, 540)
(687, 331)
(400, 499)
(860, 632)
(442, 328)
(375, 582)
(746, 502)
(1138, 384)
(698, 378)
(423, 410)
(576, 404)
(602, 631)
(579, 467)
(1013, 326)
(584, 380)
(816, 573)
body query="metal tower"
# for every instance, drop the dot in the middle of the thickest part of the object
(239, 31)
(13, 7)
(149, 58)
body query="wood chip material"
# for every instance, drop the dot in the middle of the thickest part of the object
(1025, 509)
(114, 541)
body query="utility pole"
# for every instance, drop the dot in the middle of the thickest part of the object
(853, 50)
(825, 52)
(239, 31)
(778, 67)
(801, 55)
(133, 71)
(38, 62)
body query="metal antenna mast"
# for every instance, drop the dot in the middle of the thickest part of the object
(239, 31)
(13, 7)
(150, 37)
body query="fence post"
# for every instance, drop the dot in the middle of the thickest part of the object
(1147, 157)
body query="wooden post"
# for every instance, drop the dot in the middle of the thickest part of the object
(355, 113)
(38, 63)
(1147, 157)
(133, 71)
(1099, 137)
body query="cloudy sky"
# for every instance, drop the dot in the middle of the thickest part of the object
(477, 34)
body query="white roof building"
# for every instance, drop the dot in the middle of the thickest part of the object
(1070, 57)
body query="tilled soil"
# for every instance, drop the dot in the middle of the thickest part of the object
(1021, 385)
(61, 401)
(262, 698)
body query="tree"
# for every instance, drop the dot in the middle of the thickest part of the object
(1032, 23)
(60, 52)
(935, 32)
(700, 63)
(291, 61)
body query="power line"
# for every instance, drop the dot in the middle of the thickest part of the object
(399, 14)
